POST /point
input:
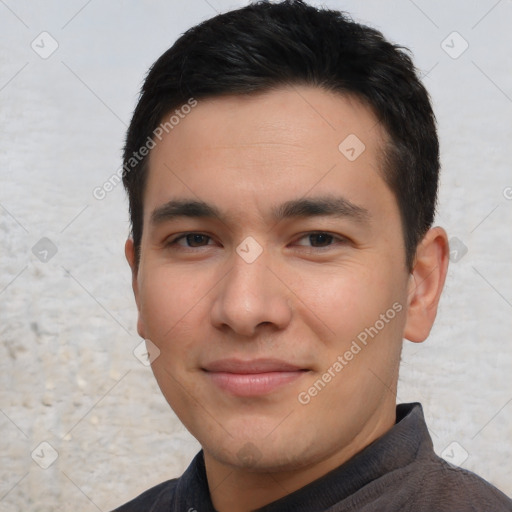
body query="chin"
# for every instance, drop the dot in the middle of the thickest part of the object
(260, 453)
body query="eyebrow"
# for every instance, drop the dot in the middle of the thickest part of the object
(338, 207)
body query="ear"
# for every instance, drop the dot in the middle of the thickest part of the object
(426, 284)
(129, 252)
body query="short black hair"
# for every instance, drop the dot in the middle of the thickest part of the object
(266, 45)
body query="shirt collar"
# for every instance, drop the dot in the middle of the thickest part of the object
(407, 440)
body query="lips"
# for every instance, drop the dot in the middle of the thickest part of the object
(252, 378)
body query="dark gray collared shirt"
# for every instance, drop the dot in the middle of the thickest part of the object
(397, 472)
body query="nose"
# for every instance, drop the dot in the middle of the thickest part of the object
(251, 297)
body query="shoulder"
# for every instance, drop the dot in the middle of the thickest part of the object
(426, 485)
(454, 489)
(473, 490)
(156, 499)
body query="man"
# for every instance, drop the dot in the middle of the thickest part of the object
(282, 170)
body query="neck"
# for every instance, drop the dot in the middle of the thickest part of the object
(233, 489)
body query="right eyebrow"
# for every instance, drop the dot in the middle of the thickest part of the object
(184, 208)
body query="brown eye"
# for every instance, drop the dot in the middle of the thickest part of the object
(196, 240)
(319, 240)
(190, 240)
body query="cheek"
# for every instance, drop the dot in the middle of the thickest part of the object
(364, 313)
(170, 301)
(342, 297)
(354, 301)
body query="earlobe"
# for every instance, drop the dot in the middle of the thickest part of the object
(129, 251)
(426, 284)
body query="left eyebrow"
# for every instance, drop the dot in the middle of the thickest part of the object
(331, 206)
(328, 206)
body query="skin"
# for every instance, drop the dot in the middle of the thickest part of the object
(303, 300)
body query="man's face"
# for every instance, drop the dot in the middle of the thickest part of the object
(246, 339)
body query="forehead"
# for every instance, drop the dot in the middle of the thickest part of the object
(251, 151)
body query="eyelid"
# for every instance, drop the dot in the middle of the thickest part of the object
(170, 241)
(173, 241)
(339, 238)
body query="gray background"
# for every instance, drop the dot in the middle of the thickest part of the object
(68, 376)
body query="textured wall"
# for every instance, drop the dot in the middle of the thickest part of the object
(68, 378)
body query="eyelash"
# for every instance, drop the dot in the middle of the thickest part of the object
(173, 243)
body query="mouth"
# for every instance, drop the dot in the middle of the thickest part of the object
(252, 378)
